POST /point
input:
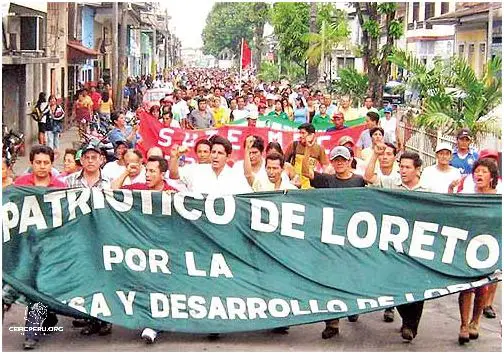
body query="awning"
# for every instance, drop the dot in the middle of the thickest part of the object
(77, 52)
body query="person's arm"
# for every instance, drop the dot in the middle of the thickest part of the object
(306, 171)
(323, 159)
(370, 175)
(247, 165)
(119, 181)
(173, 166)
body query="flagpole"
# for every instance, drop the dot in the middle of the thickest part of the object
(241, 61)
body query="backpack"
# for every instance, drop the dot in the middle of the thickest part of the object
(36, 114)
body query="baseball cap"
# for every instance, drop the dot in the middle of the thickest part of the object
(485, 153)
(90, 147)
(345, 139)
(444, 146)
(340, 151)
(388, 110)
(120, 142)
(252, 115)
(464, 132)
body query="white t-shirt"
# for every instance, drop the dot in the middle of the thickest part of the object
(438, 181)
(389, 127)
(202, 179)
(263, 184)
(112, 170)
(180, 110)
(240, 114)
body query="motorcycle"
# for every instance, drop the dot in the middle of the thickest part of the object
(13, 144)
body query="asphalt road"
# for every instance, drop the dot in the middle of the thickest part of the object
(438, 332)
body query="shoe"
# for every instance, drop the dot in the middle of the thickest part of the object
(463, 336)
(149, 335)
(330, 332)
(213, 336)
(407, 334)
(353, 318)
(91, 328)
(388, 315)
(30, 344)
(79, 323)
(489, 312)
(280, 330)
(473, 331)
(105, 329)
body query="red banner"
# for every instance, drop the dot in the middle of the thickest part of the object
(246, 55)
(154, 134)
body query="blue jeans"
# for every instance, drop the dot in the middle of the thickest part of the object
(53, 140)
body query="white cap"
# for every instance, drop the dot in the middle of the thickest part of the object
(444, 146)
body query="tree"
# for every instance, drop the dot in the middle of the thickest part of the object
(229, 22)
(452, 95)
(375, 59)
(353, 84)
(313, 67)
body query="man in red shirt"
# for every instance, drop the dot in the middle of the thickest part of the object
(41, 159)
(154, 175)
(95, 97)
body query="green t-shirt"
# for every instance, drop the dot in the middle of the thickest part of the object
(282, 115)
(318, 119)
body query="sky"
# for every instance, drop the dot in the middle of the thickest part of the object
(188, 19)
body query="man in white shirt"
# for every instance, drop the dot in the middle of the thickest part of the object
(217, 177)
(439, 176)
(133, 172)
(241, 112)
(274, 180)
(390, 127)
(180, 109)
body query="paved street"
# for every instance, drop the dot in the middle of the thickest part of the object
(438, 332)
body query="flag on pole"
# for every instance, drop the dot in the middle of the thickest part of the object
(246, 55)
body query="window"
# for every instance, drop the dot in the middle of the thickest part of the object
(445, 7)
(30, 33)
(416, 11)
(482, 48)
(429, 10)
(461, 50)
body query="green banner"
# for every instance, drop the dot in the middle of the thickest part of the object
(206, 264)
(285, 124)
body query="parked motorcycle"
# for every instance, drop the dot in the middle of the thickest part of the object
(13, 144)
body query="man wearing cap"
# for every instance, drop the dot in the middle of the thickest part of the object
(121, 131)
(463, 155)
(390, 127)
(270, 103)
(252, 119)
(439, 176)
(341, 161)
(339, 122)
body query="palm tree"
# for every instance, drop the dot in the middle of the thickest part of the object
(323, 43)
(452, 96)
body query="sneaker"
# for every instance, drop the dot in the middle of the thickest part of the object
(213, 336)
(330, 332)
(105, 329)
(91, 328)
(149, 335)
(489, 312)
(407, 334)
(353, 318)
(30, 344)
(79, 323)
(388, 315)
(280, 330)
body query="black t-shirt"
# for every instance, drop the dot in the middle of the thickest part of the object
(324, 180)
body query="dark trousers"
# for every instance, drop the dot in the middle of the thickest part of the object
(411, 314)
(34, 318)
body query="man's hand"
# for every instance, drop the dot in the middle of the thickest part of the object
(175, 153)
(379, 149)
(133, 169)
(310, 140)
(454, 185)
(249, 142)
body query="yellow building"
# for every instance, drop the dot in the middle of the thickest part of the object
(473, 23)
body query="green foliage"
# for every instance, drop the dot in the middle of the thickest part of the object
(352, 83)
(229, 22)
(291, 23)
(323, 43)
(268, 72)
(387, 7)
(372, 27)
(396, 29)
(452, 95)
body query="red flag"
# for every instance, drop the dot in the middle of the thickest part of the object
(246, 55)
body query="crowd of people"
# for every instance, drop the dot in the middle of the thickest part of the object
(212, 98)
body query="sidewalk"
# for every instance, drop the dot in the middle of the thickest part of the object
(66, 142)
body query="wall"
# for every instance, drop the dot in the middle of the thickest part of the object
(472, 36)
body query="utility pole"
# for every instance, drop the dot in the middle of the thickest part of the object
(490, 31)
(115, 52)
(122, 52)
(167, 38)
(153, 68)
